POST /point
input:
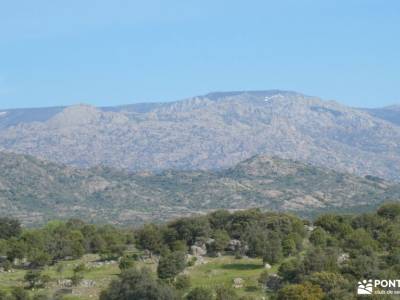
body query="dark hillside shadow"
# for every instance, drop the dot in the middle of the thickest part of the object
(242, 267)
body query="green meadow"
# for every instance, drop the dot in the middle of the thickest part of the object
(214, 272)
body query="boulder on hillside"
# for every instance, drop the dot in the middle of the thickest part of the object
(238, 283)
(198, 251)
(233, 245)
(267, 266)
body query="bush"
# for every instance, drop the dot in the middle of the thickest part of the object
(36, 279)
(200, 293)
(192, 261)
(138, 284)
(126, 262)
(41, 297)
(305, 291)
(20, 294)
(272, 282)
(182, 282)
(77, 278)
(389, 210)
(226, 293)
(171, 265)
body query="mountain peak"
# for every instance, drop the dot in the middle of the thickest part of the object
(79, 114)
(259, 94)
(213, 131)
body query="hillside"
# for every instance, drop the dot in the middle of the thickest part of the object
(213, 131)
(35, 191)
(389, 113)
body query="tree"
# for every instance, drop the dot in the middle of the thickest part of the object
(115, 241)
(318, 260)
(80, 268)
(9, 228)
(171, 265)
(39, 258)
(360, 239)
(200, 293)
(290, 270)
(219, 219)
(221, 241)
(137, 283)
(182, 282)
(393, 258)
(369, 221)
(75, 243)
(273, 249)
(16, 249)
(6, 265)
(257, 242)
(178, 246)
(262, 279)
(190, 229)
(298, 240)
(126, 262)
(36, 279)
(149, 238)
(63, 241)
(305, 291)
(60, 269)
(241, 223)
(319, 237)
(288, 247)
(20, 294)
(363, 266)
(269, 281)
(226, 293)
(3, 295)
(334, 224)
(41, 297)
(389, 210)
(77, 278)
(328, 281)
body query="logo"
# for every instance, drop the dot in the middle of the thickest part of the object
(365, 287)
(378, 287)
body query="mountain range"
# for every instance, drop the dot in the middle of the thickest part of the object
(211, 132)
(35, 191)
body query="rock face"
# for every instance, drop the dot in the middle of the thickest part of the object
(213, 131)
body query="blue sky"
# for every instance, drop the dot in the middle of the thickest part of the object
(118, 52)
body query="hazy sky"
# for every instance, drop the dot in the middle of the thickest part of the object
(117, 52)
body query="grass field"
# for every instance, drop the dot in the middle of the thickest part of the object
(215, 272)
(102, 277)
(223, 270)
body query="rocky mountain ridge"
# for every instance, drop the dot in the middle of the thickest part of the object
(35, 191)
(208, 132)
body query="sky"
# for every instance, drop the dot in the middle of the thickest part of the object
(119, 52)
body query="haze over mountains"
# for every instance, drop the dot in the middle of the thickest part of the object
(214, 131)
(36, 191)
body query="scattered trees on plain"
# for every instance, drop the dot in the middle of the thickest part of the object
(323, 261)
